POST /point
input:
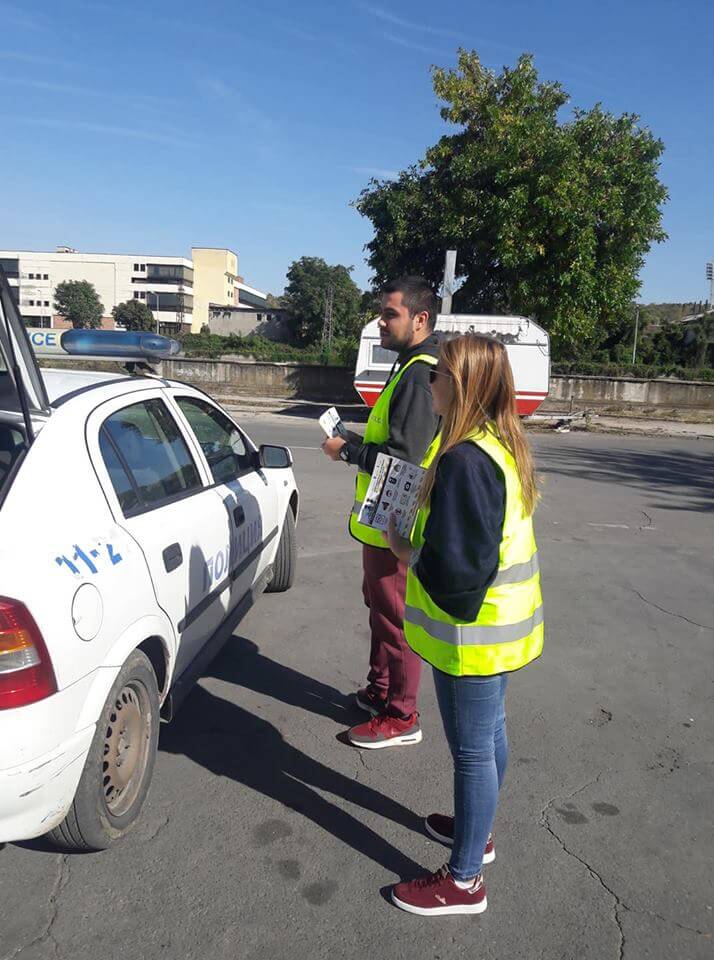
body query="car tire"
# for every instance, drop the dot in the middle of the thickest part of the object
(285, 562)
(120, 763)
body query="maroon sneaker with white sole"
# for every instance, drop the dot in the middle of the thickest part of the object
(369, 700)
(385, 731)
(441, 828)
(438, 894)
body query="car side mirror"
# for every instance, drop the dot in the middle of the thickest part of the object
(274, 458)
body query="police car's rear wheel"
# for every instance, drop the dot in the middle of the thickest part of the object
(286, 557)
(118, 770)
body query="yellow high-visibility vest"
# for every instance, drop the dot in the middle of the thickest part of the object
(377, 431)
(508, 631)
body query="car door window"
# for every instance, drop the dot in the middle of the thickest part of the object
(153, 456)
(127, 494)
(221, 441)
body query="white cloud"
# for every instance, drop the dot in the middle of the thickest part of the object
(127, 133)
(413, 45)
(34, 58)
(381, 14)
(378, 172)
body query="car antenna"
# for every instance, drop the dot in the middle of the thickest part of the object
(17, 376)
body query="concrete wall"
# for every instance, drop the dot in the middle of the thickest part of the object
(282, 380)
(627, 392)
(238, 377)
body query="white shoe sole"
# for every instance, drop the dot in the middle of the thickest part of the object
(407, 740)
(439, 911)
(449, 842)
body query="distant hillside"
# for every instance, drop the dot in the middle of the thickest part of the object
(661, 313)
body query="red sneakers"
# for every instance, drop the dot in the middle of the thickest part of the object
(386, 731)
(437, 894)
(441, 828)
(369, 700)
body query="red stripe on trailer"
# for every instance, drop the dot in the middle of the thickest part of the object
(526, 402)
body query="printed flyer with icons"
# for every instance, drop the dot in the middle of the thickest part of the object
(394, 489)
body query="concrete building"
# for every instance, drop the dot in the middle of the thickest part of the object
(244, 320)
(165, 284)
(215, 281)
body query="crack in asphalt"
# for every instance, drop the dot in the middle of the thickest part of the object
(619, 904)
(649, 524)
(158, 830)
(671, 613)
(61, 881)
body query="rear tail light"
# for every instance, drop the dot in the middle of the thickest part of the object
(26, 673)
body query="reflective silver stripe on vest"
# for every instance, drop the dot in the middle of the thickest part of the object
(464, 635)
(357, 507)
(518, 572)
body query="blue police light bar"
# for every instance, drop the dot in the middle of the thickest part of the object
(104, 344)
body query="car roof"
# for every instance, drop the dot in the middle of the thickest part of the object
(61, 382)
(92, 387)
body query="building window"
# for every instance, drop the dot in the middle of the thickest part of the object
(32, 303)
(30, 276)
(143, 268)
(45, 276)
(136, 294)
(47, 303)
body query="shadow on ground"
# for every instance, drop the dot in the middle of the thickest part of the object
(232, 742)
(679, 480)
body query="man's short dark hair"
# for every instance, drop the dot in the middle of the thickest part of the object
(417, 295)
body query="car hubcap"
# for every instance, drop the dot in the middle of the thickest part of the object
(126, 748)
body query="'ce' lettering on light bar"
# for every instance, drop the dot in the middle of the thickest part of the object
(108, 344)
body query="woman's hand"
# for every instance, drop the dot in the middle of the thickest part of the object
(401, 548)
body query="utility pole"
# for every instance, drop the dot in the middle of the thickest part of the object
(448, 286)
(328, 323)
(634, 345)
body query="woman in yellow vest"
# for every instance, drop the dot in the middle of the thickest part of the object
(473, 603)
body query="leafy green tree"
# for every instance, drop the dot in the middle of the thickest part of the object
(134, 315)
(78, 302)
(551, 218)
(309, 281)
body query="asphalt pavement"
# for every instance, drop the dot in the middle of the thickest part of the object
(266, 836)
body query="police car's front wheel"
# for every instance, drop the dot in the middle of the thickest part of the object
(120, 763)
(286, 557)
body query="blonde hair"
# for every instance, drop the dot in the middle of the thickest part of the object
(483, 394)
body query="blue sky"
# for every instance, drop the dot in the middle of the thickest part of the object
(150, 127)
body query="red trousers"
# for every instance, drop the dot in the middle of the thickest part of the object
(394, 668)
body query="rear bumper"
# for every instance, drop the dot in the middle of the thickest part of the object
(35, 796)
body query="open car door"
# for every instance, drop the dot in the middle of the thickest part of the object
(22, 389)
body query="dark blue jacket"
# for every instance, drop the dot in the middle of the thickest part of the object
(463, 532)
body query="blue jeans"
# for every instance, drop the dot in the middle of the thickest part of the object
(474, 715)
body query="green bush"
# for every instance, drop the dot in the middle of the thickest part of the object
(343, 353)
(639, 370)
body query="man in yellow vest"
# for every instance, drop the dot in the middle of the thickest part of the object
(401, 423)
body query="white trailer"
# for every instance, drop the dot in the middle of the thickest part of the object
(527, 344)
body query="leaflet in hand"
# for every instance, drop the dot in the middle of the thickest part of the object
(332, 424)
(394, 488)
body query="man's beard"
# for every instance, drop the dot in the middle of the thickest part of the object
(392, 343)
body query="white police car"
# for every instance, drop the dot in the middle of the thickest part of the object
(138, 523)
